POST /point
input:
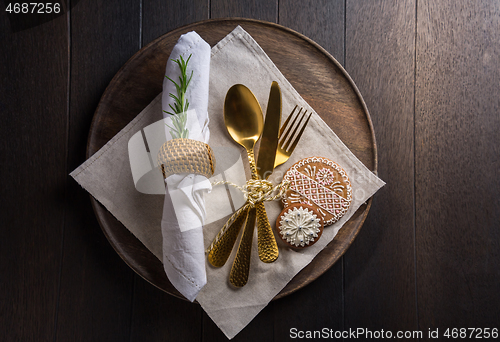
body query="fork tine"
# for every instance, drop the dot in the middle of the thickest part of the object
(286, 136)
(284, 125)
(292, 135)
(288, 141)
(297, 138)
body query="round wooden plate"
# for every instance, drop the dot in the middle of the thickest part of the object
(314, 73)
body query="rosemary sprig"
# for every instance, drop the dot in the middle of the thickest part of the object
(181, 104)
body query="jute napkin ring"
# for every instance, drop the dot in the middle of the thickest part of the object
(187, 156)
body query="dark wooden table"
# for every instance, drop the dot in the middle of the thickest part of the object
(427, 256)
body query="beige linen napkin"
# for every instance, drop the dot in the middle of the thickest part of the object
(235, 59)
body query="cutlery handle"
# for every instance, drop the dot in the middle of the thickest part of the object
(221, 247)
(241, 265)
(268, 248)
(251, 161)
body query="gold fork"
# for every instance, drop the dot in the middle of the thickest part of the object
(288, 141)
(220, 249)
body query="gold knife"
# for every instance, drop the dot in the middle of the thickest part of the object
(267, 246)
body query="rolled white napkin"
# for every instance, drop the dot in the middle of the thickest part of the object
(184, 206)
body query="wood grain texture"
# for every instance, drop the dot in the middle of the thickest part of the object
(254, 9)
(321, 20)
(159, 316)
(379, 266)
(33, 151)
(160, 17)
(318, 305)
(457, 163)
(96, 286)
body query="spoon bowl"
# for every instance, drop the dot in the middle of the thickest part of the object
(243, 116)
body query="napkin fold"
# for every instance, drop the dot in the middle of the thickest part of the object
(184, 205)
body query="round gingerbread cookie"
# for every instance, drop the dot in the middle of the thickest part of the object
(299, 225)
(320, 183)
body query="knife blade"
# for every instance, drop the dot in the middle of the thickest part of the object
(266, 242)
(269, 138)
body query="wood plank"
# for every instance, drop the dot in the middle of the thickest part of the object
(160, 17)
(323, 22)
(158, 316)
(320, 20)
(254, 9)
(96, 285)
(319, 305)
(379, 266)
(457, 163)
(33, 67)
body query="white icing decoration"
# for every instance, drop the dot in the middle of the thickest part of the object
(325, 176)
(299, 226)
(311, 171)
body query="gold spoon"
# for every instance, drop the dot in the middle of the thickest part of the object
(244, 122)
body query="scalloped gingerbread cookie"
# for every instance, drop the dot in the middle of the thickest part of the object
(322, 184)
(299, 225)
